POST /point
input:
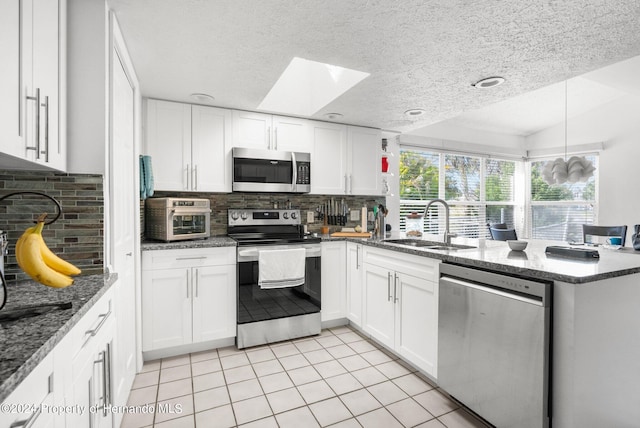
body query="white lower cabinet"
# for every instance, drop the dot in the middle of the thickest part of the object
(333, 288)
(355, 280)
(197, 287)
(400, 310)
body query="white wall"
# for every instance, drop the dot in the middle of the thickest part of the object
(617, 126)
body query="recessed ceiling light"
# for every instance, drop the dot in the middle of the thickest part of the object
(307, 86)
(333, 116)
(489, 82)
(203, 98)
(415, 112)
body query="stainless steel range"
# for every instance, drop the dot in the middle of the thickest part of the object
(278, 276)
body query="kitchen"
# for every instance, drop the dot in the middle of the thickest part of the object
(89, 134)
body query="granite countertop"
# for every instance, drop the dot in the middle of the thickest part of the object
(532, 262)
(25, 342)
(212, 242)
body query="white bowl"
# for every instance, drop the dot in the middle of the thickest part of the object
(517, 245)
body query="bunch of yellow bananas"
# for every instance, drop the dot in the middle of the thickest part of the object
(40, 263)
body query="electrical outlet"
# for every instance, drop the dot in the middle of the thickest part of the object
(354, 215)
(310, 217)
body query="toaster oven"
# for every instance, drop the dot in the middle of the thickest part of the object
(177, 219)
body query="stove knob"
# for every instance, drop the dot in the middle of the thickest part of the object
(294, 215)
(285, 215)
(234, 215)
(244, 216)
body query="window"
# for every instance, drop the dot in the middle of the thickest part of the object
(477, 189)
(558, 211)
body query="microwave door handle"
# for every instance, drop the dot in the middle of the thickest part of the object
(295, 171)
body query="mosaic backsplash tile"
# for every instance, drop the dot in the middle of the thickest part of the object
(221, 202)
(77, 236)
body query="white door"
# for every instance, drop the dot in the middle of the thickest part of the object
(122, 220)
(365, 159)
(379, 318)
(166, 308)
(252, 130)
(10, 79)
(168, 141)
(210, 154)
(417, 322)
(354, 283)
(328, 161)
(333, 281)
(292, 134)
(214, 302)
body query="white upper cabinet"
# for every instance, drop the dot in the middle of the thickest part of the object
(346, 160)
(364, 159)
(32, 48)
(188, 146)
(329, 161)
(267, 132)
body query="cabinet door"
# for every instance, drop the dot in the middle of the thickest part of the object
(417, 321)
(252, 130)
(364, 160)
(333, 281)
(214, 302)
(379, 306)
(211, 149)
(354, 283)
(168, 141)
(292, 134)
(46, 54)
(10, 102)
(328, 161)
(166, 308)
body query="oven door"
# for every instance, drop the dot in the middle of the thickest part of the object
(256, 304)
(188, 224)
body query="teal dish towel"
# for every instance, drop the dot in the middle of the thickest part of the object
(146, 177)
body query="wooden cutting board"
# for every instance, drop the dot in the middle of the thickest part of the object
(351, 234)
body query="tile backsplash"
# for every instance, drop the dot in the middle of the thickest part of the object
(77, 236)
(221, 202)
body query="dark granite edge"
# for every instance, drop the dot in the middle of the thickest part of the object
(9, 385)
(212, 242)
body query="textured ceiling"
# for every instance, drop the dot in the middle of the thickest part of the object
(421, 54)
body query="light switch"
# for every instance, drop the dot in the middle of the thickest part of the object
(354, 215)
(310, 218)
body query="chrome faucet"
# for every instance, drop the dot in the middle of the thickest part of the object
(447, 233)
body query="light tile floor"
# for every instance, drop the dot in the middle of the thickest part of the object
(337, 379)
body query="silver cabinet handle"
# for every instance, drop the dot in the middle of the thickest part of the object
(45, 152)
(395, 288)
(294, 163)
(269, 137)
(350, 184)
(93, 332)
(26, 423)
(275, 138)
(194, 179)
(37, 127)
(107, 377)
(346, 186)
(191, 258)
(197, 280)
(187, 272)
(388, 286)
(357, 257)
(186, 178)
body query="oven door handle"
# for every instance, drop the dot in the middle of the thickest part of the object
(251, 254)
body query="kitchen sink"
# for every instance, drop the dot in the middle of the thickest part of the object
(428, 245)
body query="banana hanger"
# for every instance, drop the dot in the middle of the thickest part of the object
(29, 310)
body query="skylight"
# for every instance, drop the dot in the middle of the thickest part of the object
(306, 86)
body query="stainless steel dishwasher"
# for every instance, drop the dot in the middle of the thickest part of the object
(494, 345)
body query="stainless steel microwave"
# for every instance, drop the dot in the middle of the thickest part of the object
(177, 219)
(256, 170)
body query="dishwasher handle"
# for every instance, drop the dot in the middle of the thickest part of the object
(533, 300)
